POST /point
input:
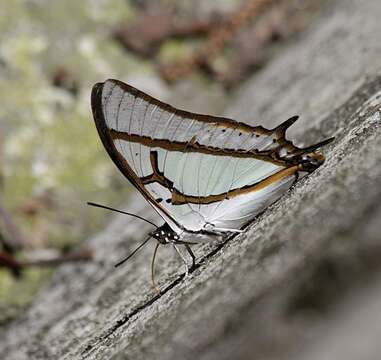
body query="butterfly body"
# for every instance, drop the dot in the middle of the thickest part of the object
(165, 235)
(205, 176)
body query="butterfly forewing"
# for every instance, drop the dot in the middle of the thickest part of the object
(195, 170)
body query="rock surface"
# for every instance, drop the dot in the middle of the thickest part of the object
(302, 282)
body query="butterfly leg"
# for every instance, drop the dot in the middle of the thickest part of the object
(190, 252)
(226, 230)
(153, 269)
(182, 258)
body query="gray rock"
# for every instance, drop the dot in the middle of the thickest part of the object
(302, 282)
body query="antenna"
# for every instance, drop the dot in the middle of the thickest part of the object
(120, 211)
(133, 253)
(126, 213)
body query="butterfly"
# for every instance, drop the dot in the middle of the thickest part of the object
(204, 175)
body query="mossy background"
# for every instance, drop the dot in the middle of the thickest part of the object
(49, 147)
(48, 141)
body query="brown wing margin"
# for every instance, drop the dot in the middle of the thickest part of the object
(117, 158)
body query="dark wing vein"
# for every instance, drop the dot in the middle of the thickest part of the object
(122, 144)
(224, 169)
(129, 130)
(214, 165)
(141, 133)
(181, 175)
(234, 172)
(198, 175)
(170, 120)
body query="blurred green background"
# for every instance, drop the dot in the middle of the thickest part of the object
(51, 159)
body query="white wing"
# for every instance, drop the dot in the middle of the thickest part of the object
(198, 171)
